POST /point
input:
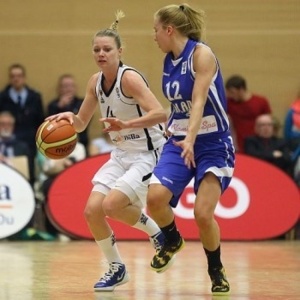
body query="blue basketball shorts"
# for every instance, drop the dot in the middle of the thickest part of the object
(216, 156)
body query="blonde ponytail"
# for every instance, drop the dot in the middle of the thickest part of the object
(119, 15)
(112, 31)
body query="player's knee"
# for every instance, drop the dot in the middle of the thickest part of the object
(92, 214)
(110, 210)
(158, 198)
(152, 202)
(203, 219)
(152, 207)
(88, 214)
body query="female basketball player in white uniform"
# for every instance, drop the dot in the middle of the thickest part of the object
(132, 116)
(200, 146)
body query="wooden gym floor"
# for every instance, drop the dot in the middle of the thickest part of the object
(68, 270)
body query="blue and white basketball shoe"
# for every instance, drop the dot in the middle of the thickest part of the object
(115, 276)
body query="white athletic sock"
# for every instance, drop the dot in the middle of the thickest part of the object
(146, 224)
(110, 249)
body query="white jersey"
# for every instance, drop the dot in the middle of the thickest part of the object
(115, 104)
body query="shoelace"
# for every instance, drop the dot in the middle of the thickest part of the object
(217, 277)
(156, 244)
(113, 268)
(164, 250)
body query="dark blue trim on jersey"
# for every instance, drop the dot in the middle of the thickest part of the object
(111, 88)
(149, 140)
(131, 69)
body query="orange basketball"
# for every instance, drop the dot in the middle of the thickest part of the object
(56, 139)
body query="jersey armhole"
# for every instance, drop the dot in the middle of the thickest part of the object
(193, 73)
(131, 69)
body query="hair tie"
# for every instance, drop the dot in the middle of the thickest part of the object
(119, 15)
(181, 7)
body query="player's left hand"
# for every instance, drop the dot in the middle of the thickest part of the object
(114, 124)
(187, 152)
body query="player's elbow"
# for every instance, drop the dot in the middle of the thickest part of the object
(162, 115)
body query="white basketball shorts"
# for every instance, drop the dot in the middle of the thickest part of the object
(128, 172)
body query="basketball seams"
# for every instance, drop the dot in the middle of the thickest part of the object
(38, 137)
(59, 143)
(55, 133)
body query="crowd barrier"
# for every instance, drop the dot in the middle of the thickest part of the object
(262, 202)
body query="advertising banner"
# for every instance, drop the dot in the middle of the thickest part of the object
(17, 202)
(262, 202)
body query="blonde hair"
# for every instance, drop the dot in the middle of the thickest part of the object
(112, 31)
(185, 19)
(119, 15)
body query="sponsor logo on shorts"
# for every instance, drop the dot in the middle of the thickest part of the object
(167, 179)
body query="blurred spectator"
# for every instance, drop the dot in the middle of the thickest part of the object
(267, 146)
(276, 126)
(292, 134)
(48, 170)
(102, 144)
(292, 121)
(243, 109)
(26, 106)
(10, 146)
(67, 100)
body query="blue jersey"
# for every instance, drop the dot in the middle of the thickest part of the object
(178, 82)
(213, 148)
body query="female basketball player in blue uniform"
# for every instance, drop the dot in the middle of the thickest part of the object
(200, 145)
(132, 116)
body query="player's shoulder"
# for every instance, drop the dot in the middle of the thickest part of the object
(128, 70)
(202, 49)
(131, 74)
(203, 57)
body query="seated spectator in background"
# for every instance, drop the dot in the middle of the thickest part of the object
(267, 146)
(292, 135)
(67, 100)
(276, 125)
(25, 104)
(102, 144)
(49, 169)
(292, 121)
(243, 109)
(10, 146)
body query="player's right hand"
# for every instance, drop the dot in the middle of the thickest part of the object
(68, 115)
